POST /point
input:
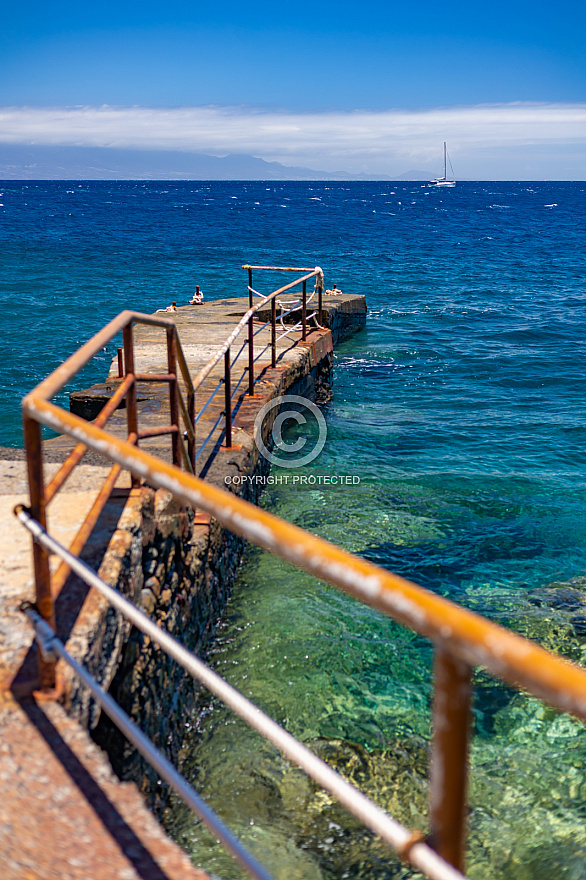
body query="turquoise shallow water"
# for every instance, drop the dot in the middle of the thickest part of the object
(356, 687)
(460, 408)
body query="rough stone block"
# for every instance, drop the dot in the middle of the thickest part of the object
(148, 601)
(154, 585)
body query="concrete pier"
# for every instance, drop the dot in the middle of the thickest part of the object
(173, 562)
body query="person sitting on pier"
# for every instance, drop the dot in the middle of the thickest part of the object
(334, 291)
(197, 298)
(171, 308)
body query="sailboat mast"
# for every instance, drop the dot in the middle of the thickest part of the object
(443, 181)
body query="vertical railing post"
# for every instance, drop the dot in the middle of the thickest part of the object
(191, 443)
(304, 313)
(120, 363)
(131, 413)
(174, 395)
(250, 340)
(273, 332)
(44, 598)
(228, 398)
(449, 759)
(320, 292)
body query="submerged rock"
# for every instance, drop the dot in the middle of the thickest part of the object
(560, 598)
(567, 600)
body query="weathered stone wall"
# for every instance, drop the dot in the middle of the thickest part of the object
(347, 318)
(187, 569)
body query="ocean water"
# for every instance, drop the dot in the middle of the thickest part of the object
(460, 409)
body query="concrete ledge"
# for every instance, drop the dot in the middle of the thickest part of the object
(63, 813)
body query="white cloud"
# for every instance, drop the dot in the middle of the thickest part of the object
(379, 142)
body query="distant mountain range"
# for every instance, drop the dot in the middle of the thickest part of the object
(414, 175)
(108, 163)
(104, 163)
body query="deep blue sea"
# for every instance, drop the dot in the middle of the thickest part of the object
(461, 410)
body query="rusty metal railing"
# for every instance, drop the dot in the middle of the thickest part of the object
(224, 351)
(463, 640)
(48, 586)
(247, 321)
(179, 410)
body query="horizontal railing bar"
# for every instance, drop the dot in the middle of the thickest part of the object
(238, 353)
(263, 327)
(293, 329)
(467, 635)
(155, 377)
(50, 643)
(393, 832)
(157, 432)
(260, 354)
(283, 268)
(64, 472)
(80, 450)
(309, 329)
(239, 383)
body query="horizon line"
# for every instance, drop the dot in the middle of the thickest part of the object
(281, 180)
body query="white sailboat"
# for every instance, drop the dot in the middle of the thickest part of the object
(443, 181)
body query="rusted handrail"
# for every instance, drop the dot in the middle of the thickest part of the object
(128, 377)
(48, 586)
(468, 636)
(279, 268)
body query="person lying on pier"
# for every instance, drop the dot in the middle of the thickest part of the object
(334, 291)
(171, 308)
(197, 298)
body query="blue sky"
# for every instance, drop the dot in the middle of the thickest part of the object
(301, 60)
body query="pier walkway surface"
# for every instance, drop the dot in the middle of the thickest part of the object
(63, 812)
